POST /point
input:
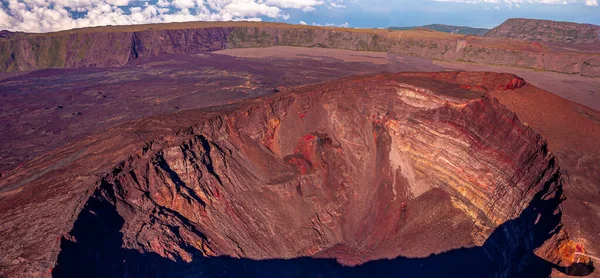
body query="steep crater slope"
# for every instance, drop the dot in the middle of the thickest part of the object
(334, 174)
(357, 170)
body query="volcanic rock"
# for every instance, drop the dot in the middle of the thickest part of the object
(429, 170)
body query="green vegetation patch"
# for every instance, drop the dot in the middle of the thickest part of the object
(48, 52)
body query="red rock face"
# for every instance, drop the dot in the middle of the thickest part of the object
(405, 166)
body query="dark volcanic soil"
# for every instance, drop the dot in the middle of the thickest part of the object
(46, 109)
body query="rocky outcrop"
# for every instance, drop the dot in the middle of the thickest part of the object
(358, 170)
(111, 47)
(4, 34)
(546, 31)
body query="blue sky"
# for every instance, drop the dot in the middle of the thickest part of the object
(414, 13)
(54, 15)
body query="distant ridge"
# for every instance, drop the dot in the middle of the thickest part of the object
(546, 31)
(463, 30)
(114, 46)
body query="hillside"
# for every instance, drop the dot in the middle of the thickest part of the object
(547, 31)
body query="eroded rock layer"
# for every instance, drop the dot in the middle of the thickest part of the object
(356, 170)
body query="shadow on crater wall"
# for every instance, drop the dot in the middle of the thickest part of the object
(508, 252)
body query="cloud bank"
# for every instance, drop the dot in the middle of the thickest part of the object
(55, 15)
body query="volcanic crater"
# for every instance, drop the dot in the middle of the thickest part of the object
(422, 174)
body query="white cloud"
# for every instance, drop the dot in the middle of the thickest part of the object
(54, 15)
(345, 24)
(301, 22)
(249, 8)
(305, 5)
(116, 2)
(591, 2)
(339, 4)
(4, 17)
(184, 4)
(333, 5)
(163, 3)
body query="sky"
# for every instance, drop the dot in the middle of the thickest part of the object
(56, 15)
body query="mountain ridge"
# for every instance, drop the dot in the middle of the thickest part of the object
(101, 47)
(547, 31)
(454, 29)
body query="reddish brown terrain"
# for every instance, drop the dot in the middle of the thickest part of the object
(322, 171)
(295, 162)
(580, 89)
(547, 31)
